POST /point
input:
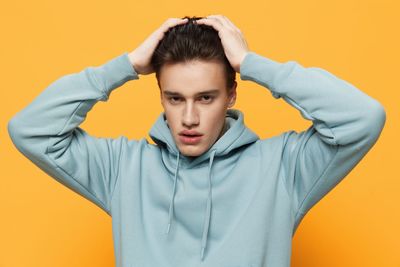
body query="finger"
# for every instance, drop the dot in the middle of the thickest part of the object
(230, 23)
(216, 24)
(224, 21)
(172, 22)
(175, 21)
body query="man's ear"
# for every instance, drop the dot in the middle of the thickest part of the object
(232, 95)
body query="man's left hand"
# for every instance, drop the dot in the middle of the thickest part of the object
(232, 39)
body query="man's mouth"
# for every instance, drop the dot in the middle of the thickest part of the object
(190, 133)
(190, 139)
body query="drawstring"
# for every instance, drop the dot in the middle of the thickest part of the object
(208, 214)
(208, 209)
(171, 205)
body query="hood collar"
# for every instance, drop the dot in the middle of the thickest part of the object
(236, 135)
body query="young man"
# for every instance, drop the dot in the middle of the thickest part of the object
(223, 197)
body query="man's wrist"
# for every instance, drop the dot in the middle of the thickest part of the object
(131, 59)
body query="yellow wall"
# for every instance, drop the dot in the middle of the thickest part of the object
(45, 224)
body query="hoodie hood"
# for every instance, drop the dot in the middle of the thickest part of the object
(236, 135)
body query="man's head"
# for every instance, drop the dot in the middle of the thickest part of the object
(190, 61)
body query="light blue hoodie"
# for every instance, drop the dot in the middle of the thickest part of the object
(238, 204)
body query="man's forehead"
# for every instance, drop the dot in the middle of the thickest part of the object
(194, 80)
(202, 92)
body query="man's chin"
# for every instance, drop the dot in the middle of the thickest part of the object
(190, 152)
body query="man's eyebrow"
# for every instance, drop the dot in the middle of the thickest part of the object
(213, 91)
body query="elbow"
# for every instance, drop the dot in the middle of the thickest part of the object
(12, 129)
(24, 141)
(377, 115)
(21, 135)
(14, 132)
(382, 112)
(375, 119)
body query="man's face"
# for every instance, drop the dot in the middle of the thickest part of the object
(195, 98)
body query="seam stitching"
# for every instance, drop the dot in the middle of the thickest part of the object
(118, 174)
(55, 163)
(77, 181)
(316, 182)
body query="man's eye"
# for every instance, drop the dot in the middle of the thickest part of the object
(207, 98)
(204, 98)
(174, 99)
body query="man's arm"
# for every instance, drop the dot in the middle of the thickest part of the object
(47, 131)
(346, 123)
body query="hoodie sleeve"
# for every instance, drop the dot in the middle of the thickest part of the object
(346, 123)
(47, 131)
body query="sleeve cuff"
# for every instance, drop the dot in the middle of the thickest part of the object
(264, 71)
(115, 73)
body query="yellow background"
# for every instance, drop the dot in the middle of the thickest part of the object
(45, 224)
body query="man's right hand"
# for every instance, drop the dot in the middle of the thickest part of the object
(141, 56)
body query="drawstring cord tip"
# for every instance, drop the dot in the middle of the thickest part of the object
(168, 226)
(202, 253)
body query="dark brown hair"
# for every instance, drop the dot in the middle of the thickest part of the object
(191, 41)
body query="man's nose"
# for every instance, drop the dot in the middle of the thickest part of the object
(190, 116)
